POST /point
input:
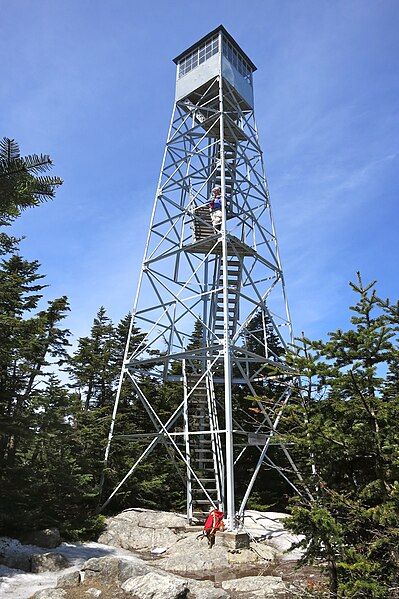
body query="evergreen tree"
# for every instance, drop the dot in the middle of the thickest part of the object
(196, 341)
(261, 337)
(51, 482)
(270, 490)
(155, 483)
(28, 343)
(93, 366)
(20, 187)
(42, 470)
(344, 425)
(32, 344)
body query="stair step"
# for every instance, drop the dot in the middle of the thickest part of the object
(212, 482)
(203, 451)
(197, 413)
(207, 447)
(231, 305)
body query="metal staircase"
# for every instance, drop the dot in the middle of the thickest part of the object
(234, 277)
(203, 450)
(205, 473)
(230, 157)
(202, 222)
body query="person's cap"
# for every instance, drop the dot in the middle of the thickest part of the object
(216, 189)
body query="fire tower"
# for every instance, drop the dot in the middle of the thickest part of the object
(227, 279)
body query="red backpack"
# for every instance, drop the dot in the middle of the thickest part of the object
(214, 521)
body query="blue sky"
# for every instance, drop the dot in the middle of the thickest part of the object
(91, 82)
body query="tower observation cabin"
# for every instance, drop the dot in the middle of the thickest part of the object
(215, 54)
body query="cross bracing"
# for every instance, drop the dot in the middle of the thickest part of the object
(224, 278)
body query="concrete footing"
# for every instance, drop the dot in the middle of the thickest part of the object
(235, 540)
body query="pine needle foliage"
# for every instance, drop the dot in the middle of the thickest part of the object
(22, 185)
(343, 424)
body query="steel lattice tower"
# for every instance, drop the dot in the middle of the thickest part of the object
(224, 279)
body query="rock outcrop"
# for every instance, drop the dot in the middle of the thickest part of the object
(69, 579)
(48, 562)
(29, 558)
(114, 569)
(141, 530)
(157, 556)
(192, 556)
(17, 560)
(182, 552)
(155, 584)
(252, 587)
(50, 594)
(48, 538)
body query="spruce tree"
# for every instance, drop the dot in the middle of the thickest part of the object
(28, 343)
(344, 424)
(21, 186)
(92, 367)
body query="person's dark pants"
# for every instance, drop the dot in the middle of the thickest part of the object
(211, 538)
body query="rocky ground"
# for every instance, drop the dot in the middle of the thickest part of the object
(144, 554)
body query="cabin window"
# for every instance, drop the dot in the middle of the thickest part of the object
(237, 60)
(198, 56)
